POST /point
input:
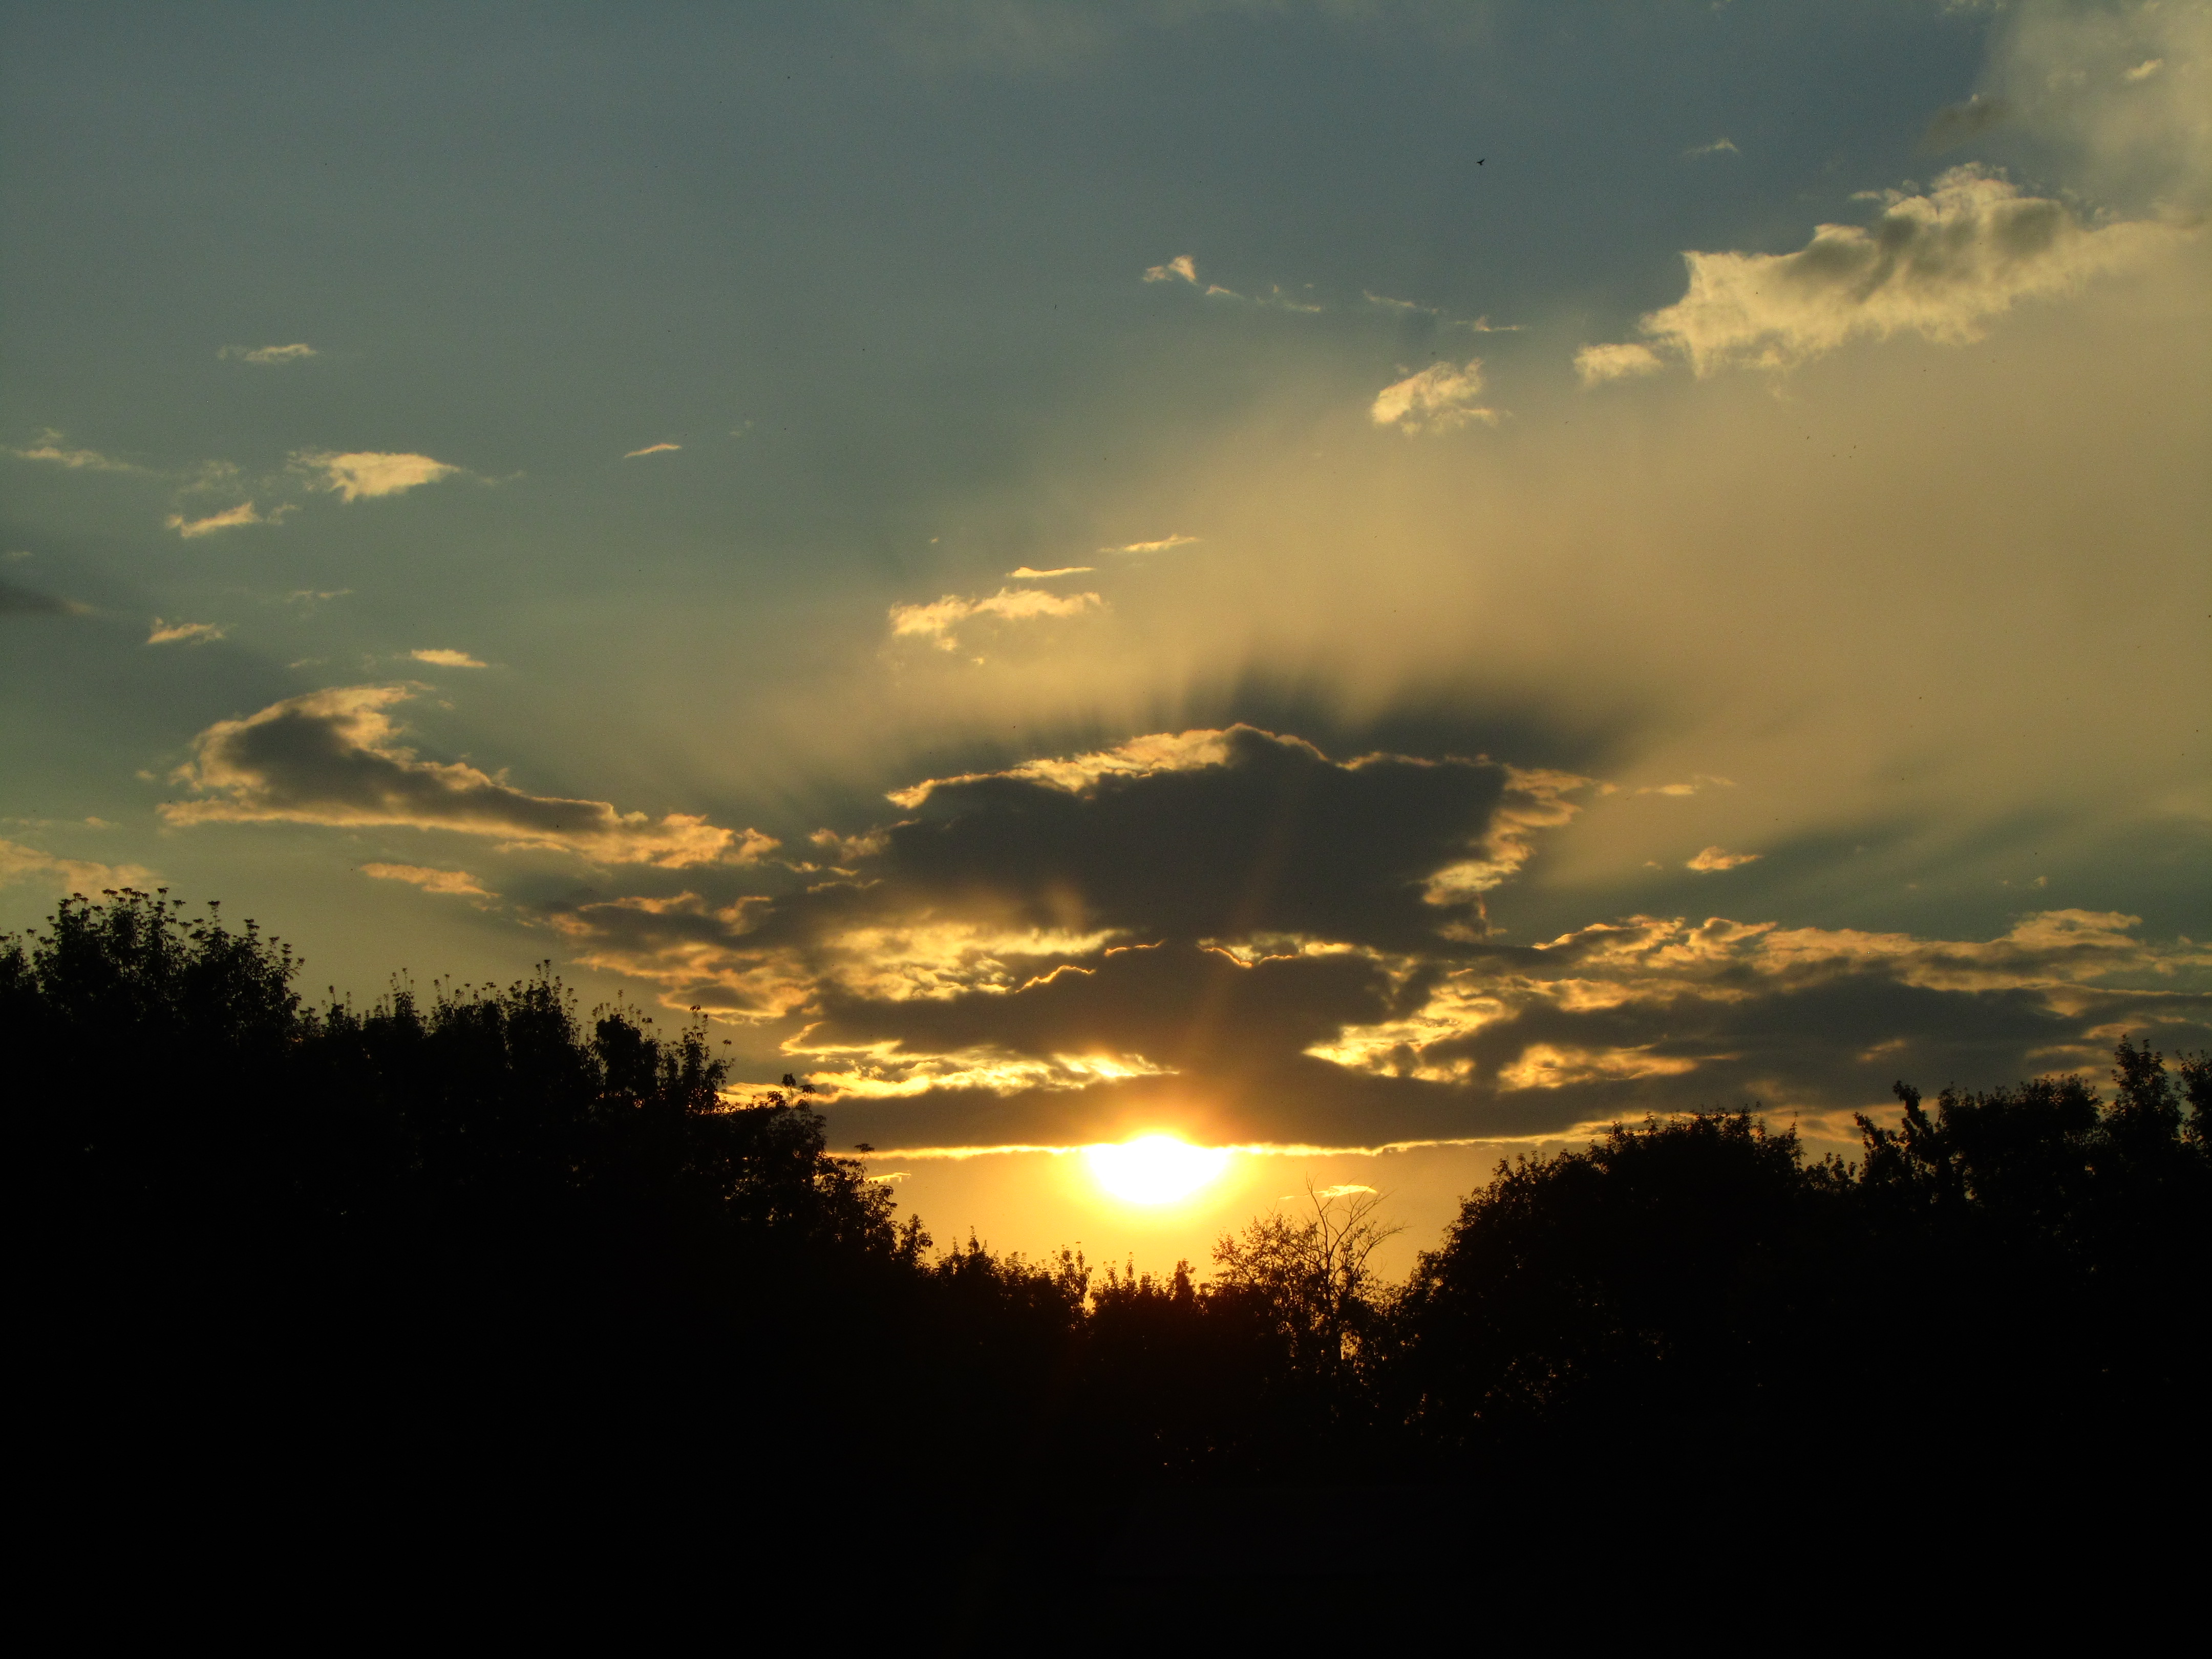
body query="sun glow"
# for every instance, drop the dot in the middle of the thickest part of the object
(1154, 1169)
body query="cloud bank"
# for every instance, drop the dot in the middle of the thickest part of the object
(334, 758)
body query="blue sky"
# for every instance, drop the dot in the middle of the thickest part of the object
(785, 509)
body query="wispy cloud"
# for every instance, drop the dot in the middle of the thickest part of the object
(652, 449)
(1718, 146)
(935, 621)
(1413, 307)
(440, 657)
(1166, 544)
(1026, 574)
(228, 519)
(1183, 265)
(457, 882)
(335, 758)
(28, 864)
(268, 354)
(1719, 857)
(169, 633)
(361, 474)
(1435, 399)
(50, 448)
(1941, 265)
(1599, 363)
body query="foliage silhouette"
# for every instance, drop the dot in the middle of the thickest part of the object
(474, 1243)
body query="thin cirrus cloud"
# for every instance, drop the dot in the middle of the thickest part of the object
(335, 758)
(652, 449)
(938, 621)
(1942, 264)
(1415, 309)
(1719, 857)
(361, 474)
(1229, 930)
(458, 883)
(440, 657)
(268, 356)
(1437, 398)
(1165, 544)
(1026, 574)
(230, 518)
(184, 633)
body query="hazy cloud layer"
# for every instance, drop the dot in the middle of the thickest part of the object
(16, 601)
(335, 758)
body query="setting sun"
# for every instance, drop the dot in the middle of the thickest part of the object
(1155, 1168)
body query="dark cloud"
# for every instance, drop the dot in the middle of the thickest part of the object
(1231, 932)
(335, 758)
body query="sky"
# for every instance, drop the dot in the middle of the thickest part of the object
(1378, 585)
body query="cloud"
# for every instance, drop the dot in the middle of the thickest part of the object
(49, 447)
(28, 602)
(2114, 95)
(169, 633)
(334, 758)
(1412, 307)
(1435, 399)
(652, 449)
(1718, 146)
(1715, 857)
(439, 657)
(27, 864)
(267, 355)
(1183, 265)
(1228, 930)
(228, 519)
(459, 883)
(1942, 264)
(1598, 363)
(935, 622)
(1234, 841)
(1026, 574)
(1692, 787)
(361, 474)
(1166, 544)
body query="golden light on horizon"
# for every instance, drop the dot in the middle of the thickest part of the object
(1155, 1168)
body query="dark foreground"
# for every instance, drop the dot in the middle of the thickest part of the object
(419, 1295)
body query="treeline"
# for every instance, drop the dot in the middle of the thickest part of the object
(472, 1243)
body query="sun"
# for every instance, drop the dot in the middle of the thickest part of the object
(1153, 1169)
